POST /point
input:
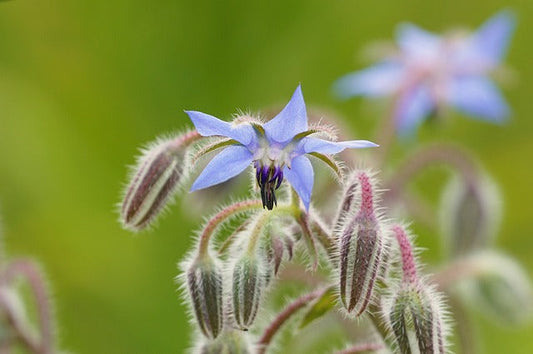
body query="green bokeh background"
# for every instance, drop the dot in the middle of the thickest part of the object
(84, 83)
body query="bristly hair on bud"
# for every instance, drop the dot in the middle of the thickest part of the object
(160, 169)
(469, 214)
(413, 311)
(202, 277)
(249, 272)
(362, 244)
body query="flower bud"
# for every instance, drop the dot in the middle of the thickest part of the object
(248, 285)
(204, 282)
(499, 288)
(361, 248)
(415, 319)
(153, 182)
(470, 213)
(229, 342)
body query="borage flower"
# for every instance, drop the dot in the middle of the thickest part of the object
(277, 150)
(429, 72)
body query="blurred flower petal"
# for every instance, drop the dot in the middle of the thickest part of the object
(479, 97)
(379, 80)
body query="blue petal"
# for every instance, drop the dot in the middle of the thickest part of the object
(308, 145)
(492, 39)
(301, 176)
(379, 80)
(415, 105)
(479, 97)
(415, 41)
(227, 164)
(290, 121)
(208, 125)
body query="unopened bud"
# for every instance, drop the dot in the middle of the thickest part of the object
(229, 342)
(204, 282)
(470, 213)
(248, 285)
(361, 251)
(415, 318)
(499, 287)
(159, 172)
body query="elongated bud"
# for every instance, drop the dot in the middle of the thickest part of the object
(229, 342)
(415, 317)
(470, 213)
(499, 288)
(248, 286)
(413, 310)
(361, 247)
(155, 179)
(204, 283)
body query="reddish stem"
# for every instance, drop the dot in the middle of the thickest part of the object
(361, 348)
(220, 217)
(281, 318)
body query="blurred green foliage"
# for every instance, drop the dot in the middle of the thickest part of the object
(84, 83)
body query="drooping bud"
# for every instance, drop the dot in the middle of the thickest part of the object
(499, 287)
(274, 249)
(414, 316)
(248, 286)
(229, 342)
(361, 249)
(470, 213)
(203, 278)
(154, 181)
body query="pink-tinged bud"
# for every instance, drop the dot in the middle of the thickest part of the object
(274, 252)
(414, 316)
(469, 215)
(249, 283)
(204, 282)
(361, 251)
(154, 181)
(229, 342)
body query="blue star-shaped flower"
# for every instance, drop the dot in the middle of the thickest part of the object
(277, 150)
(431, 71)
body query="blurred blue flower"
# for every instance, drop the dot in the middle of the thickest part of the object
(276, 148)
(431, 71)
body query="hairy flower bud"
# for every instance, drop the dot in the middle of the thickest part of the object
(155, 179)
(248, 285)
(361, 247)
(499, 287)
(204, 282)
(229, 342)
(470, 213)
(414, 315)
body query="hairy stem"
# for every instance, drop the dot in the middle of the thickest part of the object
(222, 216)
(282, 317)
(362, 348)
(435, 154)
